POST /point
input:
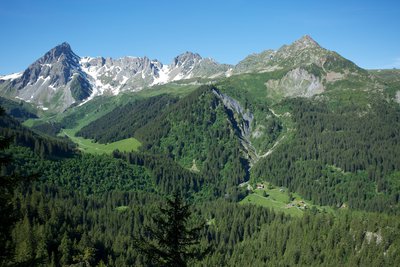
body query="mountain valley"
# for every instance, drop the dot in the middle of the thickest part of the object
(290, 157)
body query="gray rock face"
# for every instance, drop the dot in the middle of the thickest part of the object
(183, 65)
(241, 120)
(111, 76)
(114, 75)
(54, 81)
(186, 61)
(61, 78)
(245, 115)
(60, 63)
(296, 83)
(190, 65)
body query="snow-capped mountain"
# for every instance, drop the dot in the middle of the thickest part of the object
(54, 81)
(135, 73)
(61, 78)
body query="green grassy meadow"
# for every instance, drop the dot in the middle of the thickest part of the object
(88, 146)
(277, 198)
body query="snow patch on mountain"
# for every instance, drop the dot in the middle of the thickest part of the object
(163, 76)
(12, 76)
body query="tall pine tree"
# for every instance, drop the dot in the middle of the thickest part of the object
(171, 243)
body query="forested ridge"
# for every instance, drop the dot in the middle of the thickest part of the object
(197, 133)
(340, 156)
(46, 146)
(19, 110)
(126, 120)
(89, 210)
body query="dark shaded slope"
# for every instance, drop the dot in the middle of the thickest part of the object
(124, 121)
(45, 146)
(20, 111)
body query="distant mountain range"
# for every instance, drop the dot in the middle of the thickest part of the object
(61, 78)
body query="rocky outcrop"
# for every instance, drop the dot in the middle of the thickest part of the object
(112, 76)
(135, 73)
(296, 83)
(241, 120)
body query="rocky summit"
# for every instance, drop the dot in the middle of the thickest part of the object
(61, 78)
(54, 81)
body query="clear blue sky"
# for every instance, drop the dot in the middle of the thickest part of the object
(366, 32)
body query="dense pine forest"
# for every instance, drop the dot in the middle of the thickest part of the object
(78, 209)
(199, 133)
(126, 119)
(349, 155)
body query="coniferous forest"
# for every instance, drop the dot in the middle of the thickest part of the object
(69, 208)
(291, 157)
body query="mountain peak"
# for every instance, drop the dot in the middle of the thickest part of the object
(61, 49)
(64, 45)
(56, 73)
(308, 38)
(305, 42)
(189, 54)
(295, 49)
(186, 58)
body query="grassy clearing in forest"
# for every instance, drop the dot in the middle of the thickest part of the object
(88, 146)
(279, 199)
